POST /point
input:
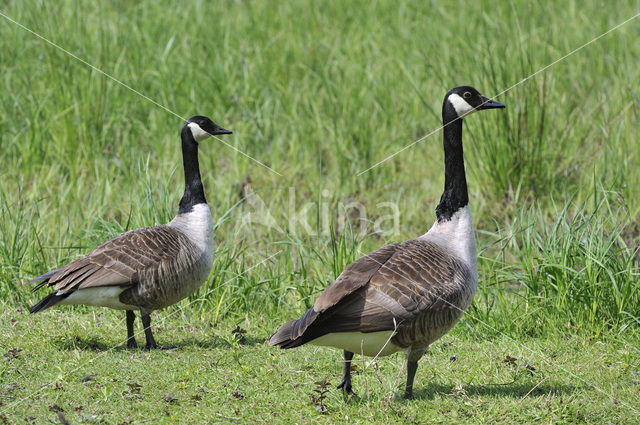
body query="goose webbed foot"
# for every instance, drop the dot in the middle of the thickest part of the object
(345, 386)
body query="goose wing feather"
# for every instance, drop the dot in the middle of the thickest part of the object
(354, 276)
(420, 278)
(380, 291)
(119, 261)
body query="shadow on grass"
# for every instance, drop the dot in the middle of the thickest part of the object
(218, 342)
(87, 343)
(97, 344)
(514, 390)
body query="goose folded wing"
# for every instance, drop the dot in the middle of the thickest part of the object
(119, 261)
(355, 276)
(419, 278)
(339, 294)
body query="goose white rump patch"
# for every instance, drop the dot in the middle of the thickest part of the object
(106, 296)
(370, 344)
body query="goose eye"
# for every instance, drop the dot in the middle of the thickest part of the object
(467, 95)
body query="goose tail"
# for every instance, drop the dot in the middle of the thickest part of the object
(43, 279)
(48, 301)
(284, 335)
(295, 333)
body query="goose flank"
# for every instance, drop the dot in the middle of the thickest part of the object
(149, 268)
(406, 295)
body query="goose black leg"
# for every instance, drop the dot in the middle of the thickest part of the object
(146, 322)
(411, 374)
(346, 373)
(131, 340)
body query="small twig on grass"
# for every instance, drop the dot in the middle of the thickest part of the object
(364, 373)
(231, 418)
(532, 389)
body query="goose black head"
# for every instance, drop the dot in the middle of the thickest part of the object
(465, 100)
(203, 128)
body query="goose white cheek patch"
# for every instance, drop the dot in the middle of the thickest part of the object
(198, 133)
(460, 105)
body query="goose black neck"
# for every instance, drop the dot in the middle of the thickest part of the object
(193, 189)
(455, 195)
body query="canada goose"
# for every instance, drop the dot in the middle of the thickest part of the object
(406, 295)
(149, 268)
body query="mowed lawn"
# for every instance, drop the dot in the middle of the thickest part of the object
(318, 93)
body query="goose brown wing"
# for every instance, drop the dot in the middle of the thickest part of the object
(381, 291)
(119, 261)
(420, 279)
(354, 277)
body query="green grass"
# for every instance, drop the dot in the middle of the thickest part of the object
(213, 378)
(321, 91)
